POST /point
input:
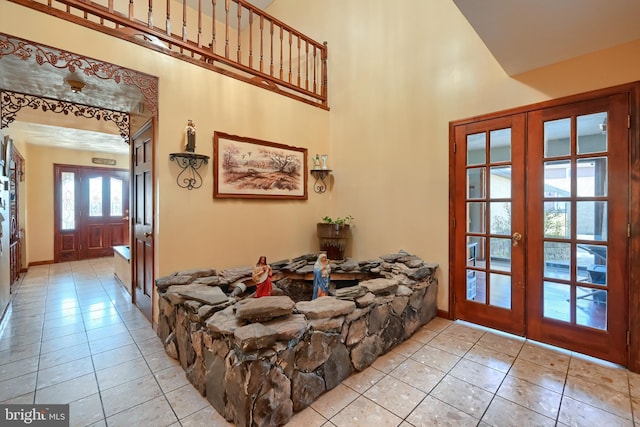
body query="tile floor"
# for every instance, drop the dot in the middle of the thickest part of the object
(72, 336)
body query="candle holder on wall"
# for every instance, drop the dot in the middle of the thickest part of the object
(189, 177)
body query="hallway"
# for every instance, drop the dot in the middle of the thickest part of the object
(71, 336)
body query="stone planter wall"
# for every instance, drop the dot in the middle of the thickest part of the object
(259, 360)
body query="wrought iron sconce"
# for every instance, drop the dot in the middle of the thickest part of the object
(320, 186)
(189, 177)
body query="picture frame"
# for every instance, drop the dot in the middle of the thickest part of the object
(251, 168)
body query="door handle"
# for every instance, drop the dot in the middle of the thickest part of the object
(515, 239)
(148, 234)
(125, 218)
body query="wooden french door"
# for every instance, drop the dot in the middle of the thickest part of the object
(142, 211)
(489, 251)
(541, 216)
(578, 214)
(91, 213)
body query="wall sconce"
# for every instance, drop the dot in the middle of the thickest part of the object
(320, 173)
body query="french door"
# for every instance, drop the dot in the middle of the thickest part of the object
(541, 225)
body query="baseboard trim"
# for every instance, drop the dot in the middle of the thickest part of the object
(443, 314)
(32, 264)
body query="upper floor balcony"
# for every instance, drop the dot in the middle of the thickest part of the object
(232, 37)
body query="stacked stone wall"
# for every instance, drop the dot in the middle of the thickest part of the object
(259, 360)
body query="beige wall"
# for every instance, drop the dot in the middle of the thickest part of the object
(399, 72)
(38, 197)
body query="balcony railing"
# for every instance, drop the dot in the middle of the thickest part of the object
(232, 37)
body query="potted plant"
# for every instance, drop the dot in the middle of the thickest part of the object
(333, 234)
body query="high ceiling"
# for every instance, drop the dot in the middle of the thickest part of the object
(527, 34)
(521, 34)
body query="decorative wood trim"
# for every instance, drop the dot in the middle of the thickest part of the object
(444, 314)
(36, 263)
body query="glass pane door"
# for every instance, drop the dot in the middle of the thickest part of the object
(575, 220)
(492, 231)
(577, 216)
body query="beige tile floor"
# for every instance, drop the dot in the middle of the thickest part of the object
(72, 336)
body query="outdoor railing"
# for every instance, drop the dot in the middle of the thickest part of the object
(232, 37)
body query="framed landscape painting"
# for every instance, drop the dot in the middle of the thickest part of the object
(254, 169)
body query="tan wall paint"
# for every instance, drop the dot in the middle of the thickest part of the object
(192, 228)
(399, 72)
(39, 203)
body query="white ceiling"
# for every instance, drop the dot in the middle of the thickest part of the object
(521, 34)
(527, 34)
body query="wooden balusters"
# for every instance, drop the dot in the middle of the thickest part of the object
(250, 38)
(199, 23)
(299, 81)
(150, 15)
(213, 26)
(131, 15)
(168, 27)
(271, 45)
(323, 89)
(184, 20)
(306, 65)
(315, 62)
(226, 27)
(261, 43)
(239, 57)
(281, 35)
(290, 50)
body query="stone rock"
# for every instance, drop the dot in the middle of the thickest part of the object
(359, 313)
(350, 292)
(234, 274)
(337, 367)
(209, 281)
(330, 324)
(224, 322)
(286, 360)
(365, 300)
(307, 268)
(264, 309)
(350, 265)
(399, 304)
(237, 401)
(307, 258)
(170, 346)
(197, 273)
(394, 257)
(365, 353)
(164, 282)
(186, 353)
(357, 331)
(295, 265)
(214, 385)
(325, 307)
(306, 387)
(420, 273)
(392, 334)
(199, 292)
(273, 405)
(315, 351)
(380, 286)
(403, 291)
(256, 336)
(378, 318)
